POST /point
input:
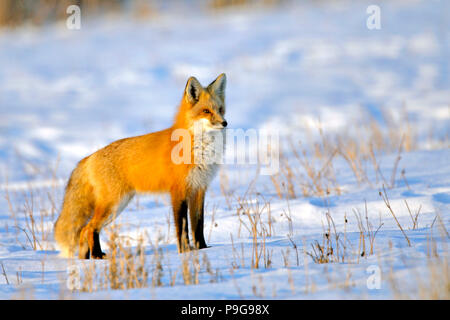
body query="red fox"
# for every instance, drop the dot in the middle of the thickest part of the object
(102, 184)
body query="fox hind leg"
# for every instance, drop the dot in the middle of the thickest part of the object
(84, 250)
(90, 244)
(90, 235)
(97, 250)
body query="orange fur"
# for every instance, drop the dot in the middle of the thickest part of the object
(105, 181)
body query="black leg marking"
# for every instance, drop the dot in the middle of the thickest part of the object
(199, 236)
(88, 254)
(181, 224)
(97, 250)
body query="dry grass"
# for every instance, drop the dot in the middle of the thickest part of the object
(366, 230)
(259, 230)
(331, 248)
(312, 175)
(221, 4)
(432, 281)
(310, 171)
(334, 246)
(385, 198)
(14, 13)
(127, 266)
(33, 208)
(414, 218)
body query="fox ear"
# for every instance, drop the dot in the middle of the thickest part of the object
(193, 90)
(217, 87)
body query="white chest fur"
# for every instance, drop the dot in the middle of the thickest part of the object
(208, 150)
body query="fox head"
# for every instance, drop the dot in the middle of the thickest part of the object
(205, 106)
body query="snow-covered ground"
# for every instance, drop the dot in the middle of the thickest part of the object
(64, 94)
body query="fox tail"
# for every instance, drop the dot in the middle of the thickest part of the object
(75, 213)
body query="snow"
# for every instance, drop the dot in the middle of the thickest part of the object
(297, 67)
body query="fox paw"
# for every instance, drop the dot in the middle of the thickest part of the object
(99, 255)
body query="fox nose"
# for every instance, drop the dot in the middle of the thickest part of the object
(224, 124)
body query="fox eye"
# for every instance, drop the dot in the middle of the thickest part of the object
(206, 111)
(221, 110)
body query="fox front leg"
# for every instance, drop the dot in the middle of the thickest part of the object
(180, 209)
(196, 213)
